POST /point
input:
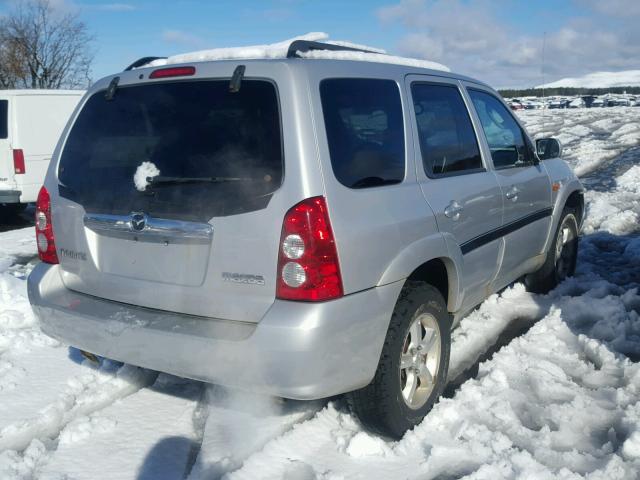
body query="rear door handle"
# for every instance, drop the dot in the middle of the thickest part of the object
(453, 210)
(512, 194)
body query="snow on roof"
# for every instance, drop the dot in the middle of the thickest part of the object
(280, 49)
(373, 57)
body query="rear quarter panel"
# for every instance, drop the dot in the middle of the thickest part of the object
(378, 230)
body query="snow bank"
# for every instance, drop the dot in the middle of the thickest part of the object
(625, 78)
(280, 49)
(591, 137)
(552, 404)
(616, 211)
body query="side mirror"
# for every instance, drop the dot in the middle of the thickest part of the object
(547, 148)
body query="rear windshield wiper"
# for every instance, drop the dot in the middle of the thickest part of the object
(160, 180)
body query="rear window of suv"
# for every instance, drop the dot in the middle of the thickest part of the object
(187, 130)
(365, 131)
(4, 120)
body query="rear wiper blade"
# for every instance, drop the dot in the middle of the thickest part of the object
(160, 180)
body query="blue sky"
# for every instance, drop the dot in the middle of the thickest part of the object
(499, 41)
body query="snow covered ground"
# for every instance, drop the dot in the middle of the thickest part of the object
(624, 78)
(557, 395)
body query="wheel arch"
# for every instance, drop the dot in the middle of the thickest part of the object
(428, 260)
(575, 201)
(570, 196)
(441, 273)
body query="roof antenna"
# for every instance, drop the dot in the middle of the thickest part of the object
(236, 79)
(111, 89)
(544, 106)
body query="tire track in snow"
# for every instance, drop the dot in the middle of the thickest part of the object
(148, 435)
(84, 395)
(54, 389)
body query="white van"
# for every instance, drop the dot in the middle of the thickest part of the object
(31, 122)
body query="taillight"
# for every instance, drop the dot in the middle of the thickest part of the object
(308, 267)
(173, 72)
(44, 229)
(18, 161)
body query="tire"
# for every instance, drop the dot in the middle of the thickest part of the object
(382, 406)
(561, 258)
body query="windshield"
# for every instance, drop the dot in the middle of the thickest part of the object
(4, 107)
(181, 129)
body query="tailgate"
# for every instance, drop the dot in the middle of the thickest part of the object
(165, 193)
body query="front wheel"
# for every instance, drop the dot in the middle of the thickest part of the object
(561, 257)
(413, 366)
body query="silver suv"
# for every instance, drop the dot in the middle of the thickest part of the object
(304, 227)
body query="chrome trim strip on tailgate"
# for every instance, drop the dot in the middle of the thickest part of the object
(156, 230)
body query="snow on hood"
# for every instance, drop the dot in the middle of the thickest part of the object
(280, 49)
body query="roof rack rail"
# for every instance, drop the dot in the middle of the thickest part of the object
(142, 61)
(308, 45)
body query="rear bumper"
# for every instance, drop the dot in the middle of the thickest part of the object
(10, 196)
(297, 350)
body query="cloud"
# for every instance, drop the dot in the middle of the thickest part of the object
(72, 6)
(277, 14)
(114, 7)
(614, 8)
(182, 38)
(471, 38)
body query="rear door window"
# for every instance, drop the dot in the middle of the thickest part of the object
(505, 137)
(365, 131)
(447, 139)
(4, 119)
(189, 130)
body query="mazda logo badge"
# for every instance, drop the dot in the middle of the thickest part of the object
(138, 221)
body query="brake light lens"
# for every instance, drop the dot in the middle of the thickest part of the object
(173, 72)
(308, 267)
(18, 161)
(44, 229)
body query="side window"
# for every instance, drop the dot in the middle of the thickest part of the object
(504, 135)
(365, 131)
(447, 140)
(4, 120)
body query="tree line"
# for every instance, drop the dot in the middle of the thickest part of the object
(42, 46)
(566, 91)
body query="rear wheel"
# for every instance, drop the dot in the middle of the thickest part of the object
(413, 366)
(561, 258)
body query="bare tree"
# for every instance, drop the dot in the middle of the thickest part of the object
(43, 47)
(11, 68)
